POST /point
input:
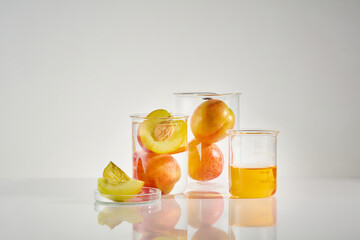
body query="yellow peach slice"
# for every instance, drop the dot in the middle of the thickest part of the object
(112, 191)
(115, 182)
(114, 174)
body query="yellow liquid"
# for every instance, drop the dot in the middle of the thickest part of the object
(252, 182)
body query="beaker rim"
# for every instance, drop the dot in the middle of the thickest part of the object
(205, 94)
(174, 116)
(253, 131)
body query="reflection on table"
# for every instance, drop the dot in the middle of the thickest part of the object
(198, 215)
(159, 220)
(205, 210)
(252, 218)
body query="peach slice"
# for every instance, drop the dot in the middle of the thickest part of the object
(210, 121)
(161, 134)
(206, 161)
(115, 182)
(114, 174)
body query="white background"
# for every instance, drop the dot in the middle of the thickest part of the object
(71, 72)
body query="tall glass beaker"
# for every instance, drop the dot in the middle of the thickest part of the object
(211, 115)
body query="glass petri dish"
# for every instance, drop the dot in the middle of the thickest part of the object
(148, 208)
(147, 195)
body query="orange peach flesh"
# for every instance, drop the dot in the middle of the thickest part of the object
(162, 137)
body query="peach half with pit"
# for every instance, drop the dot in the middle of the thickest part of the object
(210, 121)
(206, 161)
(157, 170)
(160, 133)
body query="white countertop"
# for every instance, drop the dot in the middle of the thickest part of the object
(65, 209)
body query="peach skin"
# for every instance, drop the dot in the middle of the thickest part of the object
(206, 161)
(210, 121)
(157, 170)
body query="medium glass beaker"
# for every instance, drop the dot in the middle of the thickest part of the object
(159, 146)
(211, 115)
(252, 163)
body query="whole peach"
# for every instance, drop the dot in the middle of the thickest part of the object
(157, 170)
(206, 164)
(210, 121)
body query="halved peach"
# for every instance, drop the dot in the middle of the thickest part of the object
(181, 149)
(159, 133)
(210, 121)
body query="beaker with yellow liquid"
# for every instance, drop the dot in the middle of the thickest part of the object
(252, 163)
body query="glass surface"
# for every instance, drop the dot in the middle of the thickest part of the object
(252, 163)
(159, 148)
(147, 195)
(211, 115)
(306, 208)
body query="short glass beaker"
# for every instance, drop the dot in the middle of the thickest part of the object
(210, 116)
(252, 163)
(159, 146)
